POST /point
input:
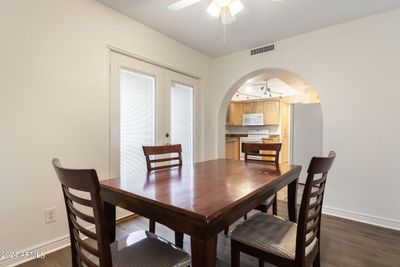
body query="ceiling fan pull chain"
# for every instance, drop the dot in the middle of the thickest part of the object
(224, 34)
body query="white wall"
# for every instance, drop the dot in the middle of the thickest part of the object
(54, 102)
(355, 69)
(54, 88)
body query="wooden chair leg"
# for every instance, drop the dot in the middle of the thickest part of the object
(260, 263)
(235, 255)
(316, 262)
(179, 239)
(226, 230)
(275, 205)
(152, 226)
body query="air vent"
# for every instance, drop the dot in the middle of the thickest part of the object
(263, 49)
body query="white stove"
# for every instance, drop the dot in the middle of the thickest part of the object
(253, 136)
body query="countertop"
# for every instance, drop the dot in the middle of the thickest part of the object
(235, 135)
(232, 139)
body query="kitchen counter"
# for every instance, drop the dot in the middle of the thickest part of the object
(235, 135)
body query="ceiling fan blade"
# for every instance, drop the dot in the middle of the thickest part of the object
(182, 4)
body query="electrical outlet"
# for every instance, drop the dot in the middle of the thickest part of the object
(50, 215)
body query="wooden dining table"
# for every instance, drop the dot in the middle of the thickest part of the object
(201, 199)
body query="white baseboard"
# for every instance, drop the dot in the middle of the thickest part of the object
(45, 248)
(361, 217)
(48, 247)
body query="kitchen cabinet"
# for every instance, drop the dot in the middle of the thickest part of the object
(271, 112)
(270, 109)
(232, 150)
(253, 107)
(234, 115)
(271, 140)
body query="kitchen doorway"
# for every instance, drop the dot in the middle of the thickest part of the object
(274, 106)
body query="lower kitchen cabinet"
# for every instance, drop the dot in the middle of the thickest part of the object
(232, 150)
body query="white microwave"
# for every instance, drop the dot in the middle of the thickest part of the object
(253, 119)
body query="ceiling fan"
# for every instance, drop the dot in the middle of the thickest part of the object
(226, 9)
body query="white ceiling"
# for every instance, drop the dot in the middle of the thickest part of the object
(260, 22)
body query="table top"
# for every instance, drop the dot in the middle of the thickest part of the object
(205, 189)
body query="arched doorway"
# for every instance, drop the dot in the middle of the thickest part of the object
(297, 119)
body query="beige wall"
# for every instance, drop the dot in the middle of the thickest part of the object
(355, 69)
(54, 89)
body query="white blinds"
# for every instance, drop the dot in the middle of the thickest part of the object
(137, 119)
(182, 119)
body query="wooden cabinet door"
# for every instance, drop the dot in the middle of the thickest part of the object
(253, 107)
(271, 112)
(232, 149)
(235, 113)
(258, 107)
(247, 108)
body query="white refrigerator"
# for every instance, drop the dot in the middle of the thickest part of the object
(306, 135)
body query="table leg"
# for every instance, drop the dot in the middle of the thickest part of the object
(179, 239)
(204, 252)
(292, 200)
(109, 210)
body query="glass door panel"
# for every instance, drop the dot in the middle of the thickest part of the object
(182, 119)
(137, 99)
(182, 114)
(136, 108)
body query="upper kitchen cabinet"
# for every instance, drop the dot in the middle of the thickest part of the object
(271, 112)
(253, 107)
(234, 116)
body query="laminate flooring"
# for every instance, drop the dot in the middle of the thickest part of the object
(343, 243)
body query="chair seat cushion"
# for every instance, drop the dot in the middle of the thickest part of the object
(143, 248)
(269, 233)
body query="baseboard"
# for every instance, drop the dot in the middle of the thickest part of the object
(47, 247)
(361, 217)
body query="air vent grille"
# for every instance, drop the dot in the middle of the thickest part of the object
(263, 49)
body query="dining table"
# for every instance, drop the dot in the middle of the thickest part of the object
(199, 199)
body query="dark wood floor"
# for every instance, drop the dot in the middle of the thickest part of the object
(343, 243)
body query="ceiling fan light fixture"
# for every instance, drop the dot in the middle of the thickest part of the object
(214, 9)
(223, 3)
(235, 7)
(226, 16)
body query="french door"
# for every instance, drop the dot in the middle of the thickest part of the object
(150, 105)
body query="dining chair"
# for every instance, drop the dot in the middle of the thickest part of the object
(265, 153)
(281, 242)
(171, 157)
(92, 247)
(154, 163)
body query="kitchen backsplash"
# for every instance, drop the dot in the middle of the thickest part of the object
(273, 129)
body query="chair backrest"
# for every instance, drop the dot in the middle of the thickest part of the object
(262, 152)
(78, 182)
(168, 162)
(309, 223)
